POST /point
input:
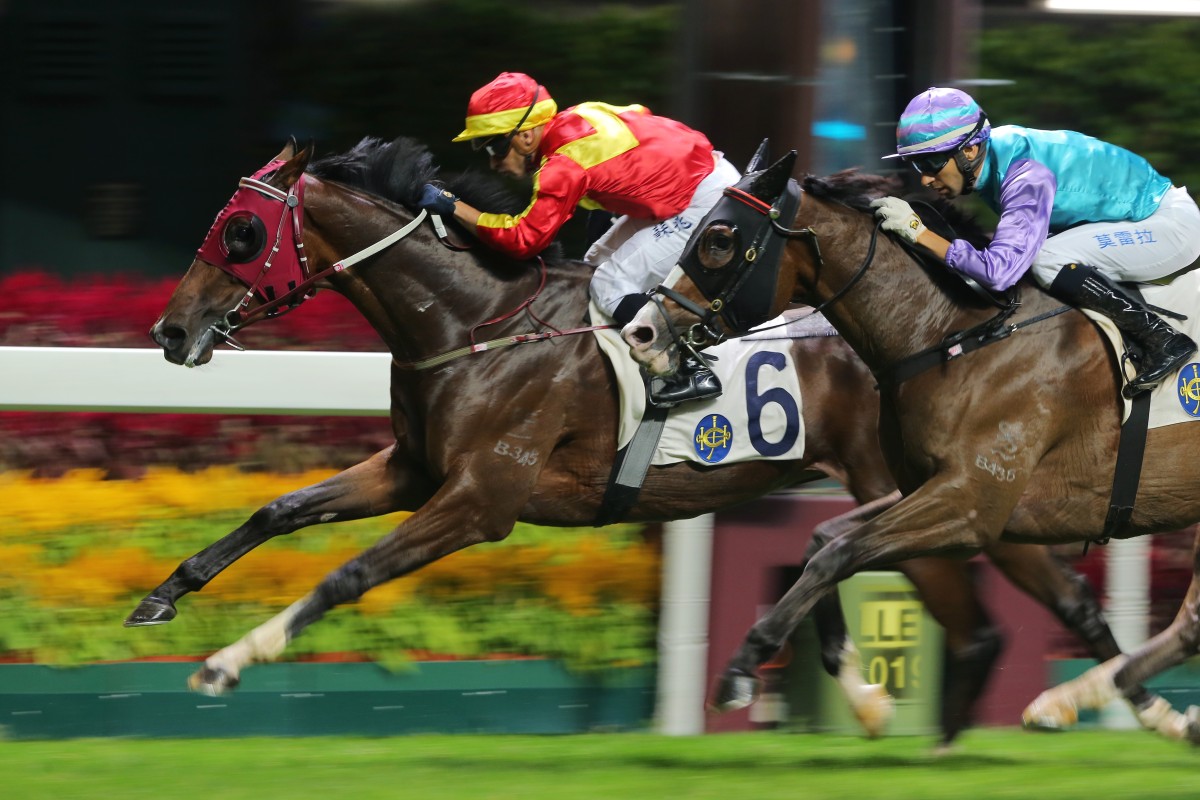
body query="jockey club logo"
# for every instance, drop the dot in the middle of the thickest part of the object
(1189, 389)
(714, 438)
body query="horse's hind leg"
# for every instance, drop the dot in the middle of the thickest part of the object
(1045, 577)
(380, 485)
(1059, 707)
(871, 704)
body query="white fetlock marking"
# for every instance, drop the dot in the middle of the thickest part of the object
(872, 705)
(260, 645)
(1096, 687)
(1053, 709)
(1163, 719)
(1059, 706)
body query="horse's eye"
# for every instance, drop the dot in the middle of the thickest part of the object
(244, 238)
(718, 243)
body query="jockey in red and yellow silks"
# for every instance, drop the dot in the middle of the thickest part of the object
(660, 176)
(624, 160)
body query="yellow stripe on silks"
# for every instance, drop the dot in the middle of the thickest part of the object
(611, 139)
(501, 122)
(489, 220)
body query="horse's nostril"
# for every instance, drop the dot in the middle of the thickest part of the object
(169, 336)
(642, 334)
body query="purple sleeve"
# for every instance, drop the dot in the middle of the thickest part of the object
(1026, 200)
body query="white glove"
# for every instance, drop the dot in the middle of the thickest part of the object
(898, 218)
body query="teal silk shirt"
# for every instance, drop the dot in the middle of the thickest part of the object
(1043, 182)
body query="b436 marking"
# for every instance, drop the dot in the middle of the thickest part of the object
(997, 470)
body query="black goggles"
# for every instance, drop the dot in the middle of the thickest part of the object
(498, 146)
(930, 163)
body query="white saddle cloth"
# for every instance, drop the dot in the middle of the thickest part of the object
(758, 415)
(1176, 399)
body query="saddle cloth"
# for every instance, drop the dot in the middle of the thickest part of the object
(1176, 399)
(758, 415)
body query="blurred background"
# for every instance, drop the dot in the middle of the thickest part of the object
(125, 127)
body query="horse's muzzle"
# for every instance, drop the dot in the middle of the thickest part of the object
(173, 340)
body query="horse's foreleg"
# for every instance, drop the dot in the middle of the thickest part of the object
(973, 644)
(1060, 705)
(452, 520)
(380, 485)
(871, 704)
(914, 527)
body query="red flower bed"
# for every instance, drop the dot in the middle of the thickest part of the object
(43, 310)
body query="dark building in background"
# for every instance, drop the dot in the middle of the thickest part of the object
(126, 123)
(825, 77)
(110, 160)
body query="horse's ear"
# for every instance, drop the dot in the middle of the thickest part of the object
(289, 150)
(290, 172)
(760, 155)
(771, 182)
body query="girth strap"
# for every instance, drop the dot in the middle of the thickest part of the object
(629, 468)
(1130, 450)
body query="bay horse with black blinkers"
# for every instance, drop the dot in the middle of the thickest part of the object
(460, 414)
(1045, 395)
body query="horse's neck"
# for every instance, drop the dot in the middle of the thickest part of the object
(896, 308)
(424, 298)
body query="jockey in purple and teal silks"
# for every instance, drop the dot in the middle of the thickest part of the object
(1079, 213)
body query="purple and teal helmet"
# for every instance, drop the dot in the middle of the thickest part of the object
(936, 125)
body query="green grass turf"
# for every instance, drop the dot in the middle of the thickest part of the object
(993, 763)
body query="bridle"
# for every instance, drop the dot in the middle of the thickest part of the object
(712, 328)
(299, 281)
(281, 293)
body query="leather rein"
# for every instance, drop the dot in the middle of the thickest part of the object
(241, 315)
(711, 330)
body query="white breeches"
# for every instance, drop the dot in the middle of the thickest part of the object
(1161, 244)
(635, 255)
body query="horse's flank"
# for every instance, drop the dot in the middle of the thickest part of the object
(1014, 441)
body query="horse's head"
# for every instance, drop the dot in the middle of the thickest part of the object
(252, 260)
(729, 277)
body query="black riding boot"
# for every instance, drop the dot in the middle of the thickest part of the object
(1164, 349)
(693, 381)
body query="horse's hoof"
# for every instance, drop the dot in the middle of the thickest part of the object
(874, 709)
(212, 681)
(944, 749)
(1047, 714)
(1193, 724)
(735, 690)
(151, 611)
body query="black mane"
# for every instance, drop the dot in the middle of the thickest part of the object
(397, 171)
(393, 170)
(856, 189)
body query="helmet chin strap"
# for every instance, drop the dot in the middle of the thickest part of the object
(967, 167)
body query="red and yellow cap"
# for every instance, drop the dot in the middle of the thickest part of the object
(497, 108)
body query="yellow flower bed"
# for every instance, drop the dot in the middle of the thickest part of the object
(83, 543)
(46, 504)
